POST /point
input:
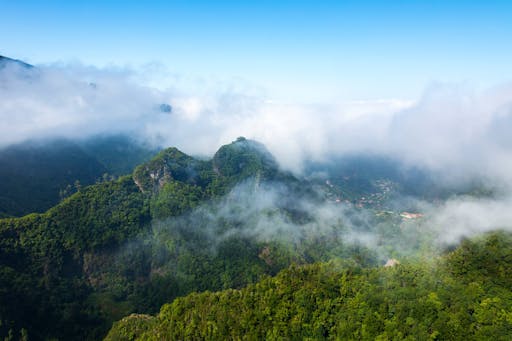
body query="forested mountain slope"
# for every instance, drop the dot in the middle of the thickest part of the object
(48, 260)
(180, 225)
(466, 294)
(114, 247)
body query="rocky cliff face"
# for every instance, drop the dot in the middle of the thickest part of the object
(170, 164)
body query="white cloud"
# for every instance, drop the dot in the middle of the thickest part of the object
(468, 216)
(451, 129)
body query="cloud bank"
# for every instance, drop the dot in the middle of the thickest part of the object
(451, 128)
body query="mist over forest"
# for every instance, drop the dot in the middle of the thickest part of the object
(134, 211)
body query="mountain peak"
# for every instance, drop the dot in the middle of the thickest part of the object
(242, 158)
(169, 164)
(233, 162)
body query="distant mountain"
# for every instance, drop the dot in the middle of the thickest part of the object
(37, 174)
(34, 174)
(5, 61)
(119, 154)
(376, 181)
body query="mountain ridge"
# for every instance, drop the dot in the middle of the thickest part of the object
(37, 174)
(88, 242)
(4, 61)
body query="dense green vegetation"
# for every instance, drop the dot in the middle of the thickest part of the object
(46, 259)
(181, 225)
(466, 294)
(244, 158)
(112, 249)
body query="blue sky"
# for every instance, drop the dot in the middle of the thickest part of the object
(297, 50)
